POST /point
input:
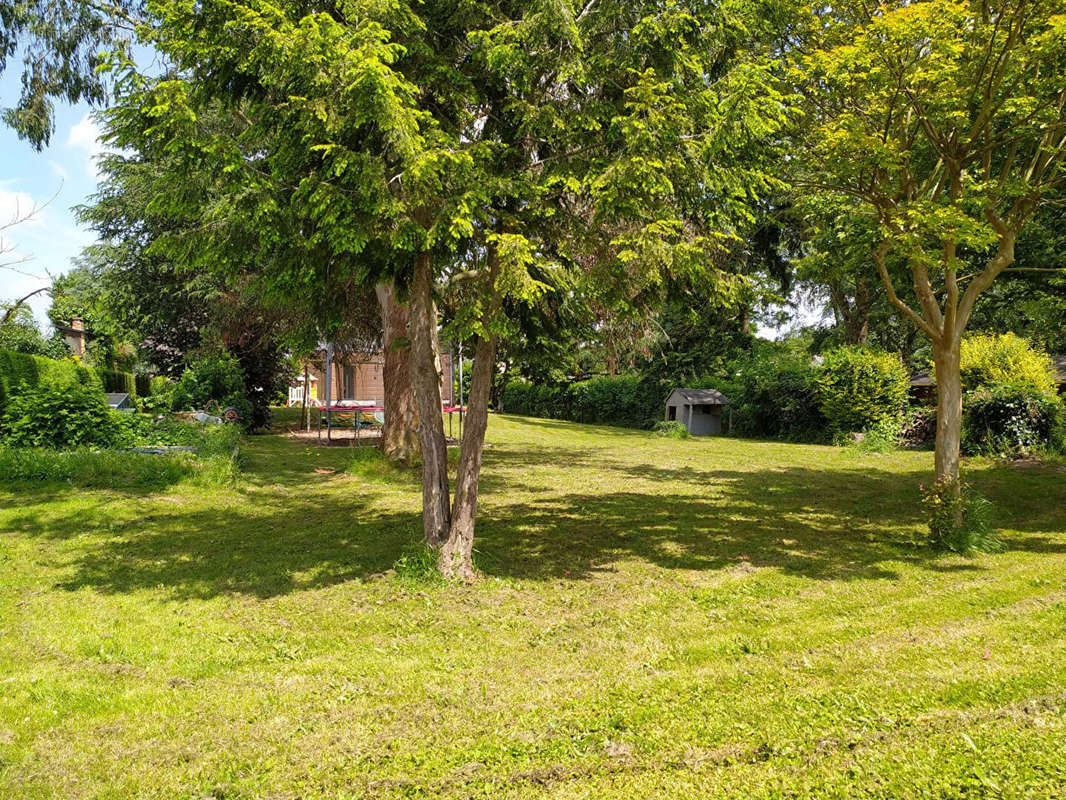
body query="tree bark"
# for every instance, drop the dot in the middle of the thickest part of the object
(399, 435)
(425, 380)
(455, 560)
(948, 410)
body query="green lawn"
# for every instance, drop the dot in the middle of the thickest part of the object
(704, 618)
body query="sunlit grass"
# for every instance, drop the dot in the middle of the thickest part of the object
(657, 618)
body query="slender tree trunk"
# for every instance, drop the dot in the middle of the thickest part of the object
(455, 553)
(425, 380)
(455, 560)
(305, 419)
(948, 410)
(399, 435)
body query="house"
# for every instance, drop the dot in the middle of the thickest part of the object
(700, 410)
(355, 376)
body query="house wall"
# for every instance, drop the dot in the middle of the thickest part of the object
(369, 379)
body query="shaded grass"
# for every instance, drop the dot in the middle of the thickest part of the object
(659, 618)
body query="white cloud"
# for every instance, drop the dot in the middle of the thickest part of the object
(85, 136)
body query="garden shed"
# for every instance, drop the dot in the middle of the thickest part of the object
(700, 410)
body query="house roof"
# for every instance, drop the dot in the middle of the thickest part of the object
(926, 379)
(702, 396)
(1060, 368)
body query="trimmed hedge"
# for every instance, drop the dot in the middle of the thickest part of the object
(19, 371)
(116, 381)
(143, 384)
(626, 401)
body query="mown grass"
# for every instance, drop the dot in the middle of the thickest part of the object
(659, 618)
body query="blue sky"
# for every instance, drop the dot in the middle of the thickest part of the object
(61, 176)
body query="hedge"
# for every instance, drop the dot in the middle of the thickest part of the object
(626, 401)
(18, 370)
(116, 381)
(143, 384)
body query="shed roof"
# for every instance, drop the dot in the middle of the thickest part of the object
(702, 396)
(119, 400)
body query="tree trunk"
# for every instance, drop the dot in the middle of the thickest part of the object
(455, 559)
(948, 410)
(425, 380)
(305, 418)
(399, 435)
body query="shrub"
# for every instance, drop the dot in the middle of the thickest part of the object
(773, 395)
(1012, 421)
(213, 381)
(20, 372)
(671, 429)
(960, 520)
(988, 360)
(59, 418)
(626, 401)
(115, 381)
(143, 384)
(861, 389)
(881, 437)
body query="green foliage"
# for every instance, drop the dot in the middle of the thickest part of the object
(62, 44)
(1013, 421)
(670, 429)
(213, 381)
(59, 417)
(960, 519)
(627, 401)
(21, 334)
(881, 437)
(988, 360)
(142, 384)
(117, 381)
(20, 372)
(861, 390)
(773, 395)
(159, 397)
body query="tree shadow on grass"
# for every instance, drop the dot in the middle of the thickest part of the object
(823, 524)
